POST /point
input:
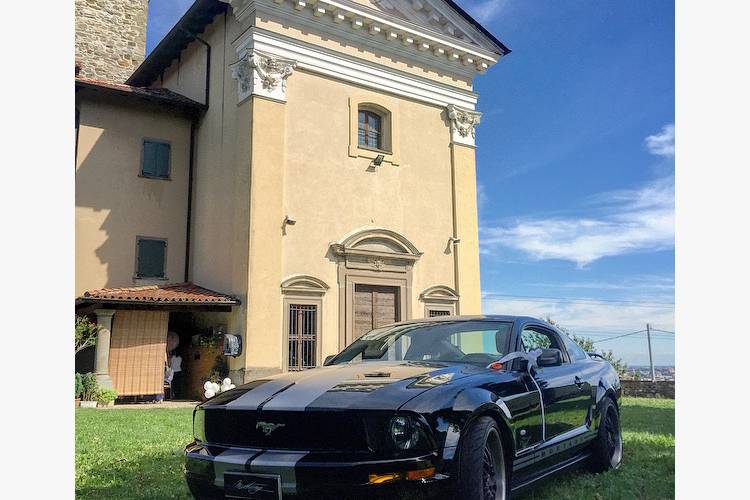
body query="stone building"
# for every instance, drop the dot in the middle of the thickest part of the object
(294, 173)
(110, 37)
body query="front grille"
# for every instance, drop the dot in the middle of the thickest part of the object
(310, 431)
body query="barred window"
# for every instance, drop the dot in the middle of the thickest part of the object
(439, 312)
(302, 336)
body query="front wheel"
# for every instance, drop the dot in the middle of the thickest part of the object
(607, 447)
(481, 463)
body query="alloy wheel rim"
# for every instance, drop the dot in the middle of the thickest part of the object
(614, 440)
(493, 469)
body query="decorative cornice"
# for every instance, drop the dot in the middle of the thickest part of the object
(463, 124)
(259, 73)
(380, 29)
(348, 68)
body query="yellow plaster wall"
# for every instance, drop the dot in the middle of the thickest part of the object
(331, 194)
(221, 189)
(464, 163)
(114, 204)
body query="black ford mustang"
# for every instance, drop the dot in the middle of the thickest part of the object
(468, 407)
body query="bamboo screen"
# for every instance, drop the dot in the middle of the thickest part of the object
(137, 352)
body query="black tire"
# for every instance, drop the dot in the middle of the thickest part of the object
(481, 468)
(607, 447)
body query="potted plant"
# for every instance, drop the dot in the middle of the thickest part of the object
(78, 389)
(90, 392)
(107, 398)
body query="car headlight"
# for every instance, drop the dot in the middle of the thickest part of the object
(404, 433)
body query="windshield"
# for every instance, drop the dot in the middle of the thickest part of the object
(477, 342)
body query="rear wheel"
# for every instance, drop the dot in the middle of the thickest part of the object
(481, 463)
(607, 447)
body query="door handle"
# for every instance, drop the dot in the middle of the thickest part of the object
(579, 381)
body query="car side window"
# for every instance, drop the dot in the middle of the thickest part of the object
(575, 351)
(539, 339)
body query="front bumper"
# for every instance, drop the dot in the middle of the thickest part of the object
(308, 474)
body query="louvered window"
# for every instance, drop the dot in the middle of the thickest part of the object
(155, 162)
(151, 258)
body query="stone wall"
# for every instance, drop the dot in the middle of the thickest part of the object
(648, 389)
(110, 38)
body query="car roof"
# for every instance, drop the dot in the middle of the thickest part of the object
(479, 317)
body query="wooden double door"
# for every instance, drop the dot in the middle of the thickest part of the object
(375, 306)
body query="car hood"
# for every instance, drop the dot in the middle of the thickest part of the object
(382, 385)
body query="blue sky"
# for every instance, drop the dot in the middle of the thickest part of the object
(575, 165)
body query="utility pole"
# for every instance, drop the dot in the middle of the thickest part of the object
(650, 357)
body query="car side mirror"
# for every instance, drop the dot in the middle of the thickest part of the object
(328, 359)
(549, 357)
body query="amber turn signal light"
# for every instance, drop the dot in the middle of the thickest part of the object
(385, 478)
(496, 365)
(414, 475)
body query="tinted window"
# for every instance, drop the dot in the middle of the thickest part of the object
(479, 342)
(575, 351)
(538, 339)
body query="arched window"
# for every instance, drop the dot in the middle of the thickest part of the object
(370, 131)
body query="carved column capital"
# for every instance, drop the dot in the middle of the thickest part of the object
(259, 73)
(463, 123)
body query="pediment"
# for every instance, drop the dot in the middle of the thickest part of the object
(440, 293)
(436, 15)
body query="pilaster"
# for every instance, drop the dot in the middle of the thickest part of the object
(465, 215)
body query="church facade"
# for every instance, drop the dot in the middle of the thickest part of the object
(296, 173)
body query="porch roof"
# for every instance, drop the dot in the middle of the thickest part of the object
(179, 294)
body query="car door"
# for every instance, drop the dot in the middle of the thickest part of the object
(565, 398)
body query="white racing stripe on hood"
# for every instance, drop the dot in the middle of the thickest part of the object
(307, 390)
(254, 397)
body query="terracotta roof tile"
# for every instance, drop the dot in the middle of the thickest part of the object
(162, 95)
(180, 293)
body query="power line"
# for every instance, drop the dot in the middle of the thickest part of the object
(618, 336)
(534, 298)
(663, 331)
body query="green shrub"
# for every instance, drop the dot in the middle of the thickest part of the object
(79, 385)
(90, 390)
(106, 396)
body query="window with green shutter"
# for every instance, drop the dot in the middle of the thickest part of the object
(155, 161)
(151, 258)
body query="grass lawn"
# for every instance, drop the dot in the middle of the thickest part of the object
(134, 453)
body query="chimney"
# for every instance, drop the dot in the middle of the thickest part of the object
(110, 38)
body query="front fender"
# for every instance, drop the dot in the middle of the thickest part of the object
(475, 402)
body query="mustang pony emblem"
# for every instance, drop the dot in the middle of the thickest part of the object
(268, 427)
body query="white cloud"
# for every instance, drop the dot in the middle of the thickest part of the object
(662, 144)
(485, 11)
(654, 285)
(631, 221)
(599, 320)
(585, 316)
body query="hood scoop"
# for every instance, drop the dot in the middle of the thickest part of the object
(377, 375)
